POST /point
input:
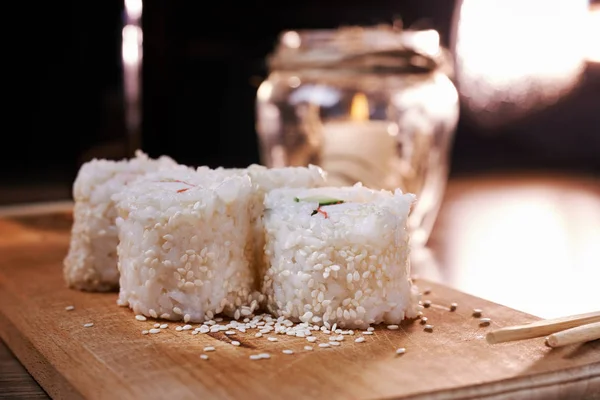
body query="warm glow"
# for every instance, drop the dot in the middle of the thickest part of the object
(133, 8)
(359, 110)
(291, 39)
(532, 248)
(524, 53)
(131, 45)
(428, 41)
(592, 38)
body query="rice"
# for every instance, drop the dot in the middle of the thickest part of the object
(182, 249)
(344, 264)
(263, 181)
(91, 261)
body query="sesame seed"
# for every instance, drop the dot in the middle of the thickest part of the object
(324, 345)
(144, 332)
(179, 328)
(272, 339)
(335, 343)
(164, 326)
(258, 334)
(453, 306)
(359, 339)
(88, 325)
(287, 351)
(209, 348)
(204, 356)
(230, 332)
(308, 348)
(235, 343)
(157, 325)
(485, 321)
(477, 312)
(140, 317)
(428, 328)
(367, 332)
(427, 303)
(401, 350)
(186, 327)
(69, 308)
(186, 318)
(255, 357)
(265, 355)
(392, 327)
(370, 329)
(312, 339)
(424, 320)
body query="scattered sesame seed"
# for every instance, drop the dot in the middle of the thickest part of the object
(255, 357)
(154, 330)
(140, 317)
(69, 308)
(145, 332)
(209, 348)
(370, 329)
(265, 355)
(186, 327)
(311, 339)
(308, 348)
(485, 321)
(272, 339)
(179, 328)
(204, 356)
(324, 345)
(335, 343)
(453, 306)
(219, 319)
(401, 350)
(186, 318)
(424, 320)
(287, 351)
(367, 333)
(477, 312)
(428, 328)
(157, 325)
(392, 327)
(230, 332)
(258, 334)
(235, 343)
(427, 303)
(88, 325)
(164, 326)
(359, 339)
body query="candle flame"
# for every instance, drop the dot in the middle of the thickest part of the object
(359, 109)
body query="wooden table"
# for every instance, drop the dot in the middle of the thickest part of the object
(526, 241)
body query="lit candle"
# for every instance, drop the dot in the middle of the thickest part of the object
(359, 150)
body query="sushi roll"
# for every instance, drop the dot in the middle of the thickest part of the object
(264, 180)
(339, 255)
(91, 261)
(183, 245)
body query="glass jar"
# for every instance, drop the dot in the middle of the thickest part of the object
(367, 104)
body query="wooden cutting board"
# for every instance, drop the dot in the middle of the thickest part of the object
(113, 360)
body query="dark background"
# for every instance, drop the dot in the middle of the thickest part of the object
(202, 65)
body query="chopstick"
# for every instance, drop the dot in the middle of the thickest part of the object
(541, 328)
(579, 334)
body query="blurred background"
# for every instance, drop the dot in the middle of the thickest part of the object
(530, 74)
(99, 79)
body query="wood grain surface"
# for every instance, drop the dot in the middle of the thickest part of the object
(113, 359)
